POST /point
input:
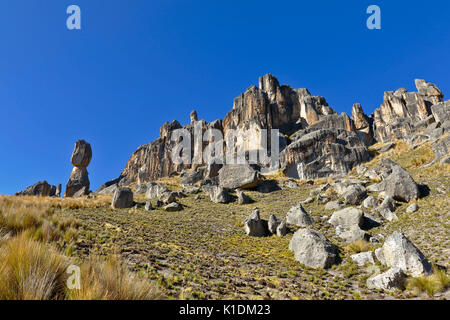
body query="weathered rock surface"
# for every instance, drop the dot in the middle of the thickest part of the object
(123, 198)
(41, 188)
(370, 202)
(254, 226)
(397, 183)
(347, 217)
(79, 178)
(363, 258)
(298, 216)
(351, 233)
(397, 251)
(173, 207)
(312, 249)
(242, 197)
(334, 205)
(392, 279)
(155, 191)
(238, 176)
(412, 208)
(218, 194)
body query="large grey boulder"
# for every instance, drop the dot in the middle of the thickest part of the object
(254, 226)
(123, 198)
(347, 217)
(155, 191)
(218, 194)
(312, 249)
(173, 207)
(392, 279)
(354, 194)
(397, 182)
(397, 251)
(334, 205)
(351, 233)
(238, 176)
(363, 258)
(370, 202)
(387, 209)
(82, 154)
(298, 216)
(274, 222)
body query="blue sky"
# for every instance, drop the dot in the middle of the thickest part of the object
(136, 64)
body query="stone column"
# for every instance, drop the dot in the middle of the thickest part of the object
(78, 184)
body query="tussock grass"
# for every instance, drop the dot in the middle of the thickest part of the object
(432, 284)
(358, 246)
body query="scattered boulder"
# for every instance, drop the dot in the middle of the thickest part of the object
(148, 206)
(354, 194)
(191, 178)
(347, 217)
(412, 208)
(312, 249)
(254, 226)
(397, 251)
(394, 278)
(123, 198)
(108, 190)
(268, 186)
(282, 229)
(218, 194)
(172, 207)
(274, 222)
(387, 209)
(81, 193)
(298, 216)
(351, 233)
(397, 183)
(238, 176)
(334, 205)
(363, 258)
(370, 202)
(242, 197)
(155, 191)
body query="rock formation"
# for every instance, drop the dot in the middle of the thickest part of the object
(41, 188)
(79, 179)
(315, 141)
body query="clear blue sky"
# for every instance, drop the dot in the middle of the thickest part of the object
(136, 64)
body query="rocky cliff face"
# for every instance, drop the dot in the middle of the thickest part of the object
(319, 142)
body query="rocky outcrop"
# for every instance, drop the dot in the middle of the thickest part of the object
(322, 153)
(79, 178)
(315, 141)
(402, 113)
(312, 249)
(41, 188)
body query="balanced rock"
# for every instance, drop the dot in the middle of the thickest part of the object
(79, 180)
(312, 249)
(82, 154)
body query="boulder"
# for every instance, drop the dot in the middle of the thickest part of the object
(123, 198)
(148, 206)
(155, 191)
(347, 217)
(238, 176)
(397, 251)
(312, 249)
(254, 226)
(363, 258)
(82, 154)
(351, 233)
(173, 207)
(354, 194)
(282, 229)
(398, 183)
(334, 205)
(108, 190)
(218, 194)
(298, 216)
(412, 208)
(81, 193)
(242, 197)
(370, 202)
(392, 279)
(274, 222)
(79, 179)
(387, 209)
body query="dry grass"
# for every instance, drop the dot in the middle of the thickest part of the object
(32, 268)
(432, 284)
(358, 246)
